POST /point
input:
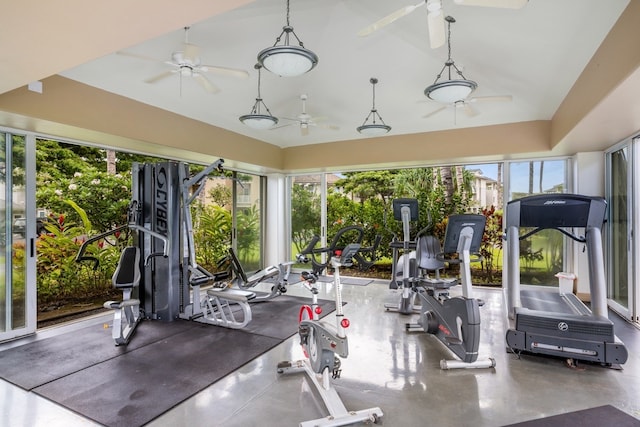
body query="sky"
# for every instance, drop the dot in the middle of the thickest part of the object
(553, 174)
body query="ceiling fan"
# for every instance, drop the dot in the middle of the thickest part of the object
(435, 16)
(186, 63)
(466, 105)
(305, 120)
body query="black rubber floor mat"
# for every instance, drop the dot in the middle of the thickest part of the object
(164, 364)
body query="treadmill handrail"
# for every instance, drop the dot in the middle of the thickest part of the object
(563, 231)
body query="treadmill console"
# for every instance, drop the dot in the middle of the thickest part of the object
(557, 211)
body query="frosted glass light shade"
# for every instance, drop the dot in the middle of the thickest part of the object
(450, 91)
(287, 61)
(373, 129)
(259, 121)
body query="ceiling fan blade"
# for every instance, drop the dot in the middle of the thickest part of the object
(190, 52)
(469, 110)
(389, 19)
(160, 76)
(504, 4)
(435, 21)
(225, 71)
(135, 55)
(282, 126)
(205, 83)
(434, 112)
(495, 98)
(331, 127)
(290, 118)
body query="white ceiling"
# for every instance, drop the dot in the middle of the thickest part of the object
(534, 54)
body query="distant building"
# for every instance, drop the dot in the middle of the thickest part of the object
(486, 191)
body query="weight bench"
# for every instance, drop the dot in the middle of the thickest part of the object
(126, 313)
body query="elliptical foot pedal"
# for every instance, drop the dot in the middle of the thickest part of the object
(453, 340)
(480, 302)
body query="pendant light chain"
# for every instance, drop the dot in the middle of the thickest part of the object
(449, 63)
(288, 10)
(373, 106)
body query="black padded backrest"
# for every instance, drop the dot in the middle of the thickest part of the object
(427, 250)
(127, 274)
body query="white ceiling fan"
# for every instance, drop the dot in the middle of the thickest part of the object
(466, 106)
(305, 120)
(435, 16)
(186, 63)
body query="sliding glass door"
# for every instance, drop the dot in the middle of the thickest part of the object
(620, 196)
(17, 219)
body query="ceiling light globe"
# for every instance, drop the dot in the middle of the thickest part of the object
(287, 61)
(374, 129)
(258, 121)
(450, 91)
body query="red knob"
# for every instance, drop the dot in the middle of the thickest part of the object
(318, 310)
(345, 323)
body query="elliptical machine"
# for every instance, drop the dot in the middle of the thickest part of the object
(321, 343)
(404, 210)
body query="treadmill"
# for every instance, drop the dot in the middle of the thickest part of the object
(552, 323)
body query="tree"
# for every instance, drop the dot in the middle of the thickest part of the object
(305, 216)
(79, 173)
(368, 184)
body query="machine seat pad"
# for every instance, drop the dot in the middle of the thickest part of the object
(117, 305)
(231, 294)
(438, 283)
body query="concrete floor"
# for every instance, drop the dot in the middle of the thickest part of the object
(388, 368)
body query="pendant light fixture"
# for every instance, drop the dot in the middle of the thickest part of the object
(374, 128)
(287, 60)
(256, 119)
(452, 90)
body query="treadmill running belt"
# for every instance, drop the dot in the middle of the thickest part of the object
(542, 300)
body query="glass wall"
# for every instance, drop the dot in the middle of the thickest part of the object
(307, 199)
(543, 254)
(249, 219)
(441, 191)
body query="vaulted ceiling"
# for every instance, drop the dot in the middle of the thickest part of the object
(533, 56)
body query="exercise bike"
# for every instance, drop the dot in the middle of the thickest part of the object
(455, 321)
(321, 343)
